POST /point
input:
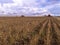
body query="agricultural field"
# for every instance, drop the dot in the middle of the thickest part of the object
(30, 30)
(58, 18)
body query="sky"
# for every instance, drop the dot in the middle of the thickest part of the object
(29, 7)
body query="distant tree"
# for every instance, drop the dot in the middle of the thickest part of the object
(49, 15)
(22, 15)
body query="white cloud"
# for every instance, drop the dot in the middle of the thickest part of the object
(26, 7)
(25, 2)
(22, 7)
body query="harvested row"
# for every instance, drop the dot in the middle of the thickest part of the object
(37, 36)
(55, 33)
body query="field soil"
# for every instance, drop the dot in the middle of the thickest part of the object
(30, 30)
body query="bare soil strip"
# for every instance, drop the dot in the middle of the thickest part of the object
(48, 32)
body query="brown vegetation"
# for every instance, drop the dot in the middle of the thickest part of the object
(29, 31)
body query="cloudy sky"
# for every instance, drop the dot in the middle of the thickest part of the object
(29, 7)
